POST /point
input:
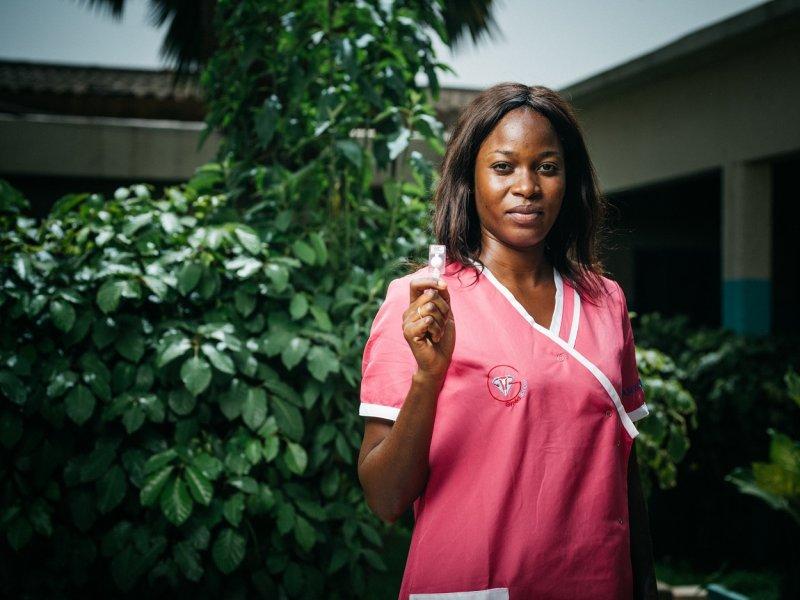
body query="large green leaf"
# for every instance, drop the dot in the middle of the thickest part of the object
(188, 277)
(219, 359)
(275, 341)
(16, 391)
(111, 489)
(131, 345)
(158, 461)
(200, 487)
(339, 558)
(79, 404)
(172, 349)
(187, 558)
(304, 252)
(228, 550)
(289, 419)
(208, 465)
(298, 307)
(304, 533)
(152, 488)
(233, 509)
(286, 517)
(374, 559)
(157, 286)
(266, 119)
(232, 401)
(133, 418)
(270, 448)
(785, 452)
(99, 460)
(322, 318)
(196, 375)
(245, 301)
(176, 503)
(279, 276)
(294, 352)
(109, 294)
(63, 314)
(254, 409)
(248, 238)
(321, 362)
(181, 402)
(296, 458)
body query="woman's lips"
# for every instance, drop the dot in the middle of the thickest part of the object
(525, 215)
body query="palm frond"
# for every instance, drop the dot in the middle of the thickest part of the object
(115, 8)
(469, 16)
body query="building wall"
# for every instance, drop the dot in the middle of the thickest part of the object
(135, 150)
(731, 109)
(741, 106)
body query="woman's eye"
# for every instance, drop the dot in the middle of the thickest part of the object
(501, 165)
(548, 168)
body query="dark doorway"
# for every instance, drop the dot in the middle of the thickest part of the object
(785, 247)
(666, 247)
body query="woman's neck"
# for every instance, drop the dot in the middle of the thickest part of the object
(528, 267)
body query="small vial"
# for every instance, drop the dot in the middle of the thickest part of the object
(436, 259)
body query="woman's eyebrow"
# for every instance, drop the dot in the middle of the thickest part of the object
(542, 154)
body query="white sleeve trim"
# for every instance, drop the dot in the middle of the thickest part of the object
(378, 410)
(639, 413)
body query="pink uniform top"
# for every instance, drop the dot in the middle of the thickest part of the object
(527, 490)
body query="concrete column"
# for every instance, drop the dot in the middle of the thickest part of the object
(747, 247)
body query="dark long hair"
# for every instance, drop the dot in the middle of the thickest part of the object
(572, 245)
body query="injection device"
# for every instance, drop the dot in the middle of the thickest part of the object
(436, 259)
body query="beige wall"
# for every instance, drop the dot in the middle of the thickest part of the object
(741, 107)
(139, 150)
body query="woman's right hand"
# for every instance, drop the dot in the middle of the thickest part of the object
(428, 326)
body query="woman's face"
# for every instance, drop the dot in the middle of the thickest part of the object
(519, 180)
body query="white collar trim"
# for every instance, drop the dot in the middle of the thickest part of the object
(627, 423)
(558, 309)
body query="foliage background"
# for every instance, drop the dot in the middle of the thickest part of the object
(739, 387)
(180, 369)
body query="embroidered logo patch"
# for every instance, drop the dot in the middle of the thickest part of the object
(628, 391)
(506, 385)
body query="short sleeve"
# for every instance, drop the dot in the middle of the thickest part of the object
(388, 364)
(631, 390)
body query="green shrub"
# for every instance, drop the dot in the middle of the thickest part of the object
(737, 384)
(664, 438)
(180, 396)
(776, 482)
(179, 369)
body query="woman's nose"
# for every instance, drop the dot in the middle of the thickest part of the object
(526, 184)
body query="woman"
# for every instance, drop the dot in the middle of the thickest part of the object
(514, 442)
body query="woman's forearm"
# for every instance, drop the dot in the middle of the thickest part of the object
(644, 577)
(394, 473)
